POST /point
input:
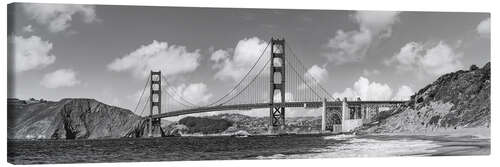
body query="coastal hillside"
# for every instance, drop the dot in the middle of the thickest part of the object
(70, 119)
(454, 101)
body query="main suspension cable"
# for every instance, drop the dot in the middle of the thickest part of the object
(144, 106)
(315, 80)
(302, 79)
(241, 81)
(248, 83)
(142, 94)
(177, 93)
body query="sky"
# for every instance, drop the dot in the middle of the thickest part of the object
(106, 52)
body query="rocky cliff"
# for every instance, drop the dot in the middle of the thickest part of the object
(456, 100)
(70, 119)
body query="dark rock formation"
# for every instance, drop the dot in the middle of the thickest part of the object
(70, 119)
(456, 100)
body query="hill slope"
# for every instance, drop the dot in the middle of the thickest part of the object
(70, 119)
(456, 100)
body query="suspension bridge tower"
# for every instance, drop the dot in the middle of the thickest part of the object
(154, 124)
(277, 78)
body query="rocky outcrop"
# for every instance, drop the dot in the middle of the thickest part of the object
(241, 133)
(456, 100)
(71, 119)
(175, 129)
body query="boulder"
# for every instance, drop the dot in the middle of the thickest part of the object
(241, 133)
(176, 130)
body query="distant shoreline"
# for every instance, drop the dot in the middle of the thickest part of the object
(208, 135)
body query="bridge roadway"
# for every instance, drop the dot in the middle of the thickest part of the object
(315, 104)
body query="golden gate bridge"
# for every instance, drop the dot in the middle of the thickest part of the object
(264, 85)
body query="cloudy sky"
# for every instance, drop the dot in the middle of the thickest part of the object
(106, 52)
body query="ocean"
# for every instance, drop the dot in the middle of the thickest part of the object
(232, 148)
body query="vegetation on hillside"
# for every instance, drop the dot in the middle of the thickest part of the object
(455, 100)
(205, 125)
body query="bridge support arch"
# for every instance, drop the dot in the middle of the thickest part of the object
(277, 67)
(331, 117)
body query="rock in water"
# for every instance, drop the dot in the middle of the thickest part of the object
(456, 100)
(71, 119)
(242, 133)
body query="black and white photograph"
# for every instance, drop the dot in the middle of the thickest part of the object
(93, 83)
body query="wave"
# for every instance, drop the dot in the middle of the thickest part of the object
(339, 137)
(364, 147)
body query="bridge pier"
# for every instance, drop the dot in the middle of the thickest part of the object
(323, 117)
(351, 116)
(345, 113)
(154, 126)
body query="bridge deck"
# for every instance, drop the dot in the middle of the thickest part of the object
(268, 105)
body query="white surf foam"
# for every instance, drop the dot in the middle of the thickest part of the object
(339, 137)
(362, 147)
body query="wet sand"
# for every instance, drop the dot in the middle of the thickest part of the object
(461, 142)
(447, 145)
(452, 142)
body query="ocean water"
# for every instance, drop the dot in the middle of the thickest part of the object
(226, 148)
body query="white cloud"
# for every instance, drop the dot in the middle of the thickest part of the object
(319, 73)
(368, 73)
(377, 22)
(196, 93)
(404, 93)
(171, 60)
(219, 55)
(483, 28)
(366, 90)
(28, 28)
(58, 16)
(441, 59)
(31, 53)
(246, 53)
(408, 55)
(432, 59)
(348, 46)
(315, 75)
(352, 46)
(60, 78)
